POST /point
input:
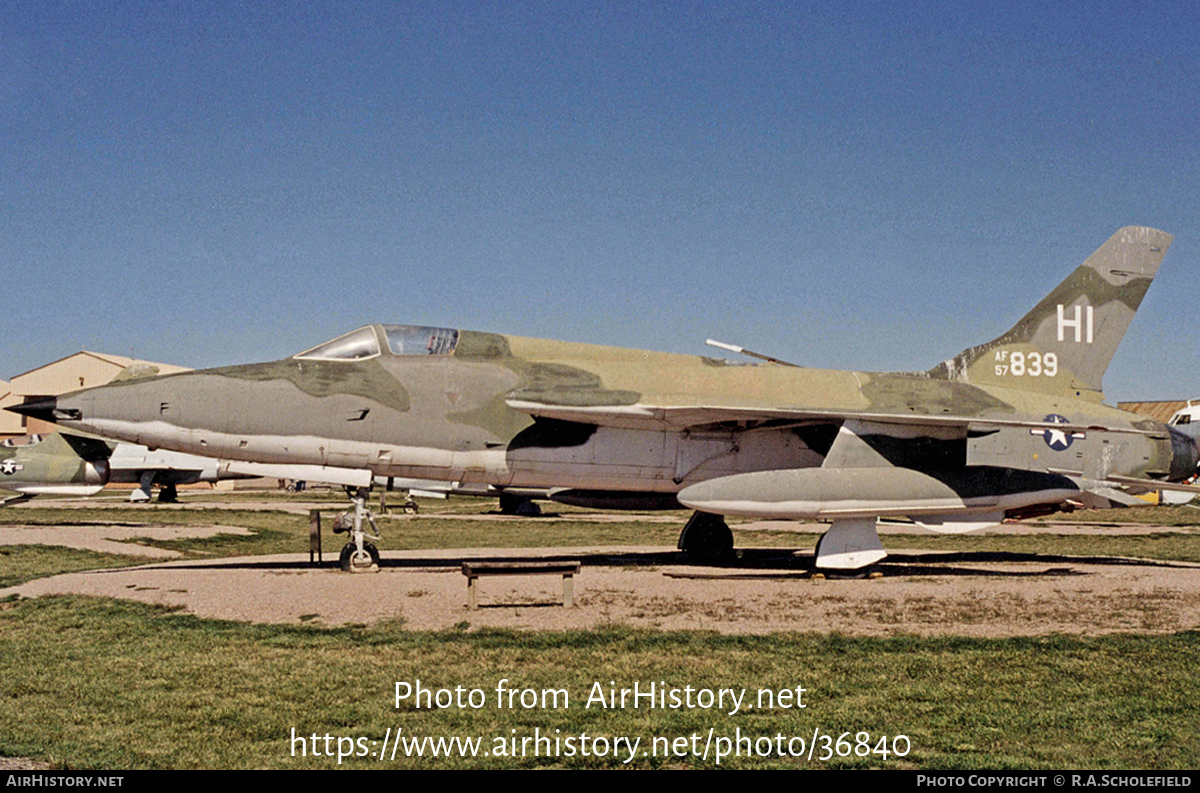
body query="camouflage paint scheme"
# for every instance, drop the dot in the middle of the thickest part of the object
(1000, 427)
(65, 464)
(55, 465)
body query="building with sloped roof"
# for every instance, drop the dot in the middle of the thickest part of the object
(10, 423)
(1160, 410)
(84, 369)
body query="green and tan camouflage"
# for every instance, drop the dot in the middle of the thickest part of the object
(68, 464)
(1065, 344)
(1000, 428)
(54, 465)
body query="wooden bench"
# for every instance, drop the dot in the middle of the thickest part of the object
(475, 570)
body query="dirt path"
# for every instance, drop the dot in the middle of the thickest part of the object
(116, 538)
(924, 593)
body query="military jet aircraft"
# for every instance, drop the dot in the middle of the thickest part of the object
(1187, 421)
(1000, 428)
(53, 465)
(65, 464)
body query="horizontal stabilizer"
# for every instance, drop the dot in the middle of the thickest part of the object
(1113, 497)
(1155, 484)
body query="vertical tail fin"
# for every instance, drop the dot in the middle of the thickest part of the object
(1064, 345)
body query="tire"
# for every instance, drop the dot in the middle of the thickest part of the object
(706, 539)
(347, 556)
(519, 505)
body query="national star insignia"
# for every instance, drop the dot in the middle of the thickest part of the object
(1059, 440)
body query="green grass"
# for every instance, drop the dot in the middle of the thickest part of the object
(124, 685)
(275, 532)
(1181, 515)
(21, 563)
(94, 683)
(1159, 545)
(283, 532)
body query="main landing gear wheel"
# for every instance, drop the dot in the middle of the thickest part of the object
(519, 505)
(706, 539)
(353, 559)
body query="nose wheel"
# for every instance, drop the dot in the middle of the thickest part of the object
(358, 556)
(365, 560)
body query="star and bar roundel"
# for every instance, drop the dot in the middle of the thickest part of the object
(1058, 440)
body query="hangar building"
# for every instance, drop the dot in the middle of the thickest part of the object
(82, 370)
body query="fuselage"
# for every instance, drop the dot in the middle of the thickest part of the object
(444, 410)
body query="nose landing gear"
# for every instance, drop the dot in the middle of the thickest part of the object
(358, 556)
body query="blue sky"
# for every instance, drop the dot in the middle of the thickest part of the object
(843, 185)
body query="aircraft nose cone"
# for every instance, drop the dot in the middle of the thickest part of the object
(44, 409)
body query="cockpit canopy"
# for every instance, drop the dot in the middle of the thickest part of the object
(368, 342)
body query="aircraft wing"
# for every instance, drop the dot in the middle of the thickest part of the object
(649, 417)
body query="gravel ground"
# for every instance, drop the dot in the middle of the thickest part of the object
(927, 593)
(768, 590)
(117, 538)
